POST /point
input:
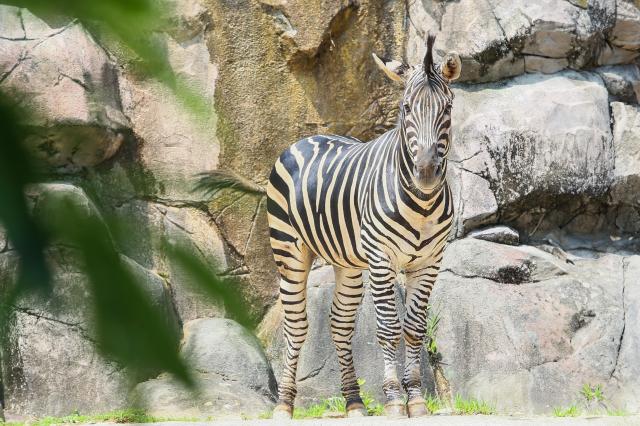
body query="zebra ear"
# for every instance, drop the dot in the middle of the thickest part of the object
(451, 66)
(395, 70)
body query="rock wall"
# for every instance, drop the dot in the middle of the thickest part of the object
(546, 140)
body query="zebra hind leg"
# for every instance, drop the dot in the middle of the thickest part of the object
(346, 299)
(293, 263)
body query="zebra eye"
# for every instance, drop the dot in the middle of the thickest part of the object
(407, 108)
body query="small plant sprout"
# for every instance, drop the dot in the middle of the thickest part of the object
(571, 411)
(472, 406)
(373, 407)
(592, 393)
(337, 404)
(433, 403)
(432, 328)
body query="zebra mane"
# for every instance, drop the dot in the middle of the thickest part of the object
(428, 57)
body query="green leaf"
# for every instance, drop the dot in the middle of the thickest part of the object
(205, 278)
(129, 328)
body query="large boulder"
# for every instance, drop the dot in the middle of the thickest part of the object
(232, 375)
(622, 82)
(77, 118)
(50, 363)
(509, 157)
(318, 368)
(528, 345)
(626, 141)
(504, 38)
(146, 227)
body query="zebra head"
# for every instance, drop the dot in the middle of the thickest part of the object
(425, 113)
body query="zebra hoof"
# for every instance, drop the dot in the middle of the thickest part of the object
(395, 409)
(282, 412)
(417, 408)
(356, 409)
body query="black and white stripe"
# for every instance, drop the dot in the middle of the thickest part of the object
(362, 206)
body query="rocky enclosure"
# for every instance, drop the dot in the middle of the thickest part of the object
(539, 292)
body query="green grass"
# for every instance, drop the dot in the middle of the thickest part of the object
(592, 393)
(461, 406)
(338, 404)
(570, 411)
(434, 403)
(432, 327)
(119, 416)
(617, 413)
(472, 406)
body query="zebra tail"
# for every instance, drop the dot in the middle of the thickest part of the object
(215, 180)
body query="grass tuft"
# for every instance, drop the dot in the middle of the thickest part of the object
(472, 406)
(118, 416)
(592, 393)
(570, 411)
(338, 404)
(434, 403)
(617, 413)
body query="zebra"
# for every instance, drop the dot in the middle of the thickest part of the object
(384, 206)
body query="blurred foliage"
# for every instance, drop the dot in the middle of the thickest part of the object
(132, 23)
(129, 328)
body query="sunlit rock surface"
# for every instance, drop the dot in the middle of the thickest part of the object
(544, 160)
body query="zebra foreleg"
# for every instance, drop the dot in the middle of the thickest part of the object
(346, 299)
(419, 285)
(293, 263)
(388, 333)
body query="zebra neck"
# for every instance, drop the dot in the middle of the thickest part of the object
(404, 176)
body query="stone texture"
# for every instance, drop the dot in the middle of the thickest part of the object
(529, 156)
(626, 32)
(625, 373)
(77, 116)
(622, 82)
(178, 144)
(544, 65)
(473, 258)
(145, 226)
(233, 375)
(49, 348)
(497, 234)
(541, 153)
(503, 38)
(300, 68)
(318, 369)
(531, 347)
(626, 141)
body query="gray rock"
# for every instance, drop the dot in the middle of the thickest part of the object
(626, 141)
(471, 257)
(544, 65)
(145, 228)
(531, 347)
(177, 142)
(232, 373)
(622, 82)
(50, 363)
(626, 373)
(503, 38)
(529, 156)
(78, 120)
(626, 32)
(497, 234)
(318, 369)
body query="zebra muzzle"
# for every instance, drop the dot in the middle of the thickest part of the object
(427, 170)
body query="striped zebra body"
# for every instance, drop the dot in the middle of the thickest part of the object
(329, 188)
(384, 206)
